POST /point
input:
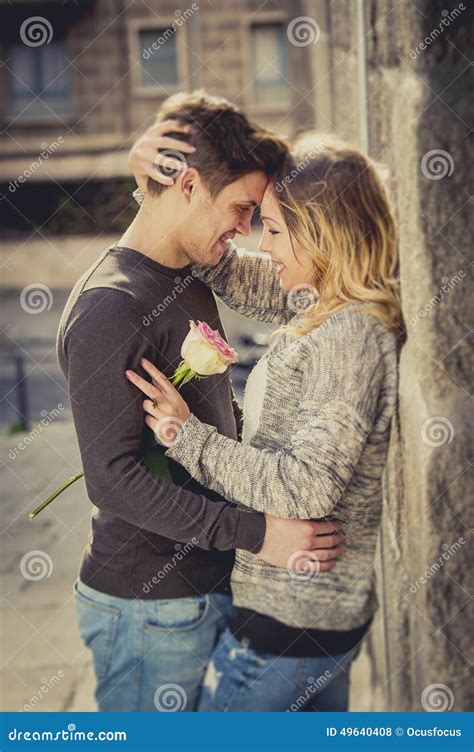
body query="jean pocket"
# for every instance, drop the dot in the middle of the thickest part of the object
(179, 614)
(98, 624)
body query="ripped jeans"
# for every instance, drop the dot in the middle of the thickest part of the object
(239, 679)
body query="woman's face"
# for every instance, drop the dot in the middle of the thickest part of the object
(293, 265)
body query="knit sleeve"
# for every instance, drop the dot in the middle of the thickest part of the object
(247, 283)
(340, 387)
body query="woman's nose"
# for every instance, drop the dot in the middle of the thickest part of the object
(263, 246)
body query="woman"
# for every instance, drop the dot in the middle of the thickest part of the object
(317, 416)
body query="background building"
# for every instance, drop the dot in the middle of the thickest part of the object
(99, 76)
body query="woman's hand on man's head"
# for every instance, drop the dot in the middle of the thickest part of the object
(155, 150)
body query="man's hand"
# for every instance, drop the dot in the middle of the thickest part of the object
(145, 159)
(301, 545)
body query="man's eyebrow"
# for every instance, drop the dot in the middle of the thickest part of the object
(247, 203)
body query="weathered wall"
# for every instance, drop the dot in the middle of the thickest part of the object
(419, 103)
(333, 60)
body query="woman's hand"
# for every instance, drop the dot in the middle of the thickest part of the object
(145, 160)
(167, 410)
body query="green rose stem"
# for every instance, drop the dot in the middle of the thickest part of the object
(183, 374)
(58, 491)
(155, 461)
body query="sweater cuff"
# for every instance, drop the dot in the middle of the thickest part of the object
(187, 447)
(211, 273)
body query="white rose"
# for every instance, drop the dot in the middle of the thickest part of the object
(200, 356)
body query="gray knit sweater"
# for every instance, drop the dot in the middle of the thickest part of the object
(319, 449)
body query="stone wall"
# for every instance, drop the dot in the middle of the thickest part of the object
(419, 104)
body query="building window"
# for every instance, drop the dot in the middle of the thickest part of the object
(38, 80)
(269, 61)
(158, 57)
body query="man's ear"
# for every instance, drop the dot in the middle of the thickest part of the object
(188, 182)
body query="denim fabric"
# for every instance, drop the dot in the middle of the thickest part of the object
(149, 655)
(239, 679)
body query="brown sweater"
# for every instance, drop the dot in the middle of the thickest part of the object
(125, 307)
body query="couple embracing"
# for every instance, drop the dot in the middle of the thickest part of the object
(276, 510)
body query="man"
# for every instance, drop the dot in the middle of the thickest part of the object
(153, 588)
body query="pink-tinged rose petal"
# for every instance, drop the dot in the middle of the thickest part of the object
(214, 338)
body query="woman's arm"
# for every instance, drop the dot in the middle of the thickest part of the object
(247, 283)
(303, 482)
(244, 281)
(306, 480)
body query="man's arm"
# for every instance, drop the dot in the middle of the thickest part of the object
(106, 338)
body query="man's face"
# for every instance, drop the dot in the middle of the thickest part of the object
(212, 222)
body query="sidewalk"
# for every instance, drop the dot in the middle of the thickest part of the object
(45, 666)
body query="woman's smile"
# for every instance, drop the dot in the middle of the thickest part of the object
(279, 267)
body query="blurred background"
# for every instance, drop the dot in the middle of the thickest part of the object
(79, 82)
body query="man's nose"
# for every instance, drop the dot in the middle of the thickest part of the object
(244, 226)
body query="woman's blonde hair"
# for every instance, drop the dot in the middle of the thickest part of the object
(336, 207)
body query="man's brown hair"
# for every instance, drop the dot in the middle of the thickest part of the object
(228, 145)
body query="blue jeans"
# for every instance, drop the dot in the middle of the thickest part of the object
(241, 680)
(149, 655)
